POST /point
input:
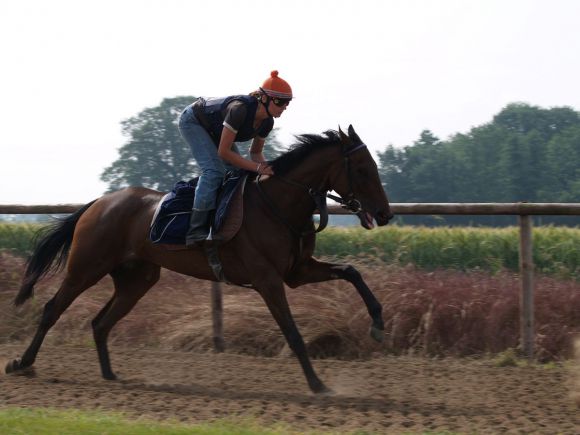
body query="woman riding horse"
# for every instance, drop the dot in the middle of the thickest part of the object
(219, 122)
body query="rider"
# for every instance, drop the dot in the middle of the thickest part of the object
(211, 126)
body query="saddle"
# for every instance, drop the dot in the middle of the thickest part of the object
(171, 219)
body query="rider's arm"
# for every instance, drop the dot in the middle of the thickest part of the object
(256, 149)
(233, 119)
(225, 152)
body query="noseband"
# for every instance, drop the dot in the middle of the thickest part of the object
(319, 197)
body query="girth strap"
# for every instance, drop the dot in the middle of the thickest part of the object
(214, 262)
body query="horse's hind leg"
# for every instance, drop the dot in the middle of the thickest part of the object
(69, 290)
(132, 281)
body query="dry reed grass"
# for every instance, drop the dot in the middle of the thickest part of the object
(435, 313)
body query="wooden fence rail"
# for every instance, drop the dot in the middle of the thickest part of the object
(464, 208)
(521, 209)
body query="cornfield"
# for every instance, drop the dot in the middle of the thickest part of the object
(556, 249)
(17, 238)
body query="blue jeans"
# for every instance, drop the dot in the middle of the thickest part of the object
(213, 168)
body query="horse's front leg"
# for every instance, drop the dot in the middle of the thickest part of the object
(312, 271)
(271, 288)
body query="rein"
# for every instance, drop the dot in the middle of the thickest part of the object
(319, 199)
(351, 203)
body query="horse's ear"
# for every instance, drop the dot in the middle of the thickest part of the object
(353, 136)
(343, 137)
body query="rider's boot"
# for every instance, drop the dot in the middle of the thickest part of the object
(199, 227)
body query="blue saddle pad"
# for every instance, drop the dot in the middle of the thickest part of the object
(171, 219)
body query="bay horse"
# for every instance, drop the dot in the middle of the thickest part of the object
(273, 247)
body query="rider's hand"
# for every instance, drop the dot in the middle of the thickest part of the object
(265, 169)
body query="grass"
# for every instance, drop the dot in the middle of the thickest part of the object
(508, 358)
(63, 422)
(512, 358)
(43, 421)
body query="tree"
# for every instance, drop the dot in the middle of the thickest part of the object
(563, 162)
(522, 118)
(424, 165)
(391, 164)
(155, 155)
(526, 153)
(413, 169)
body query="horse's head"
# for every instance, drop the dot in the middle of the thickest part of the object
(359, 184)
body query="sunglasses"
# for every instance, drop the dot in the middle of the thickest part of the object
(281, 102)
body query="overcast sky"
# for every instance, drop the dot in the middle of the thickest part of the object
(72, 70)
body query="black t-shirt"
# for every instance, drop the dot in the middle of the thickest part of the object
(236, 113)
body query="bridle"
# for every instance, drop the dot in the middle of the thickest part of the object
(350, 203)
(319, 197)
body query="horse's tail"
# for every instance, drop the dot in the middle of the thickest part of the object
(51, 243)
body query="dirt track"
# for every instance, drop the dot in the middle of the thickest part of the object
(384, 395)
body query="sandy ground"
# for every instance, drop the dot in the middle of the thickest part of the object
(383, 395)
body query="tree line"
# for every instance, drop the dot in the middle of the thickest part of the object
(525, 153)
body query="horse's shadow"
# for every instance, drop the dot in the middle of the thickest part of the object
(381, 403)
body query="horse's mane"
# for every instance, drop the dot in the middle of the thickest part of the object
(305, 145)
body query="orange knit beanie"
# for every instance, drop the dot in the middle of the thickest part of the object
(275, 86)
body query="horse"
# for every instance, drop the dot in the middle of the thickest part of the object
(273, 247)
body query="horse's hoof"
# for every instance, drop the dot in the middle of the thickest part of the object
(377, 334)
(326, 392)
(110, 376)
(12, 366)
(321, 390)
(15, 367)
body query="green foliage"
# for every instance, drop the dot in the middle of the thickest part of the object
(50, 421)
(507, 358)
(556, 249)
(155, 155)
(563, 167)
(526, 153)
(17, 238)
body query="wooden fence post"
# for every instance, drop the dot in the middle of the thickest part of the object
(527, 332)
(217, 317)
